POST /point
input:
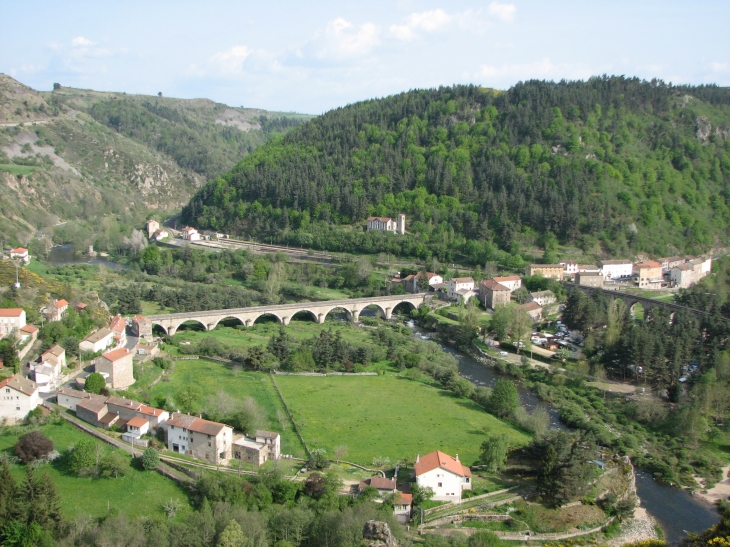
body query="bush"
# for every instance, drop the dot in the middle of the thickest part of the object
(33, 446)
(95, 383)
(150, 459)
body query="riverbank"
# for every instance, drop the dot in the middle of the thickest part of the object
(640, 528)
(721, 491)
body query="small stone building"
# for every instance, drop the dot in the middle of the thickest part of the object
(118, 365)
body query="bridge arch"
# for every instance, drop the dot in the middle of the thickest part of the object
(638, 311)
(266, 317)
(304, 315)
(157, 328)
(191, 324)
(371, 310)
(323, 316)
(404, 305)
(230, 320)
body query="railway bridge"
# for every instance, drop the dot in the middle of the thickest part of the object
(283, 313)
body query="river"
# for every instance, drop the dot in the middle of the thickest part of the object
(61, 255)
(676, 511)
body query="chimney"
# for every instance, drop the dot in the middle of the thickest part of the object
(457, 458)
(418, 458)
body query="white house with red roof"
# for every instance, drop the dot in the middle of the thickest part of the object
(445, 475)
(18, 396)
(47, 370)
(512, 282)
(387, 224)
(118, 326)
(189, 233)
(20, 254)
(12, 320)
(402, 504)
(55, 310)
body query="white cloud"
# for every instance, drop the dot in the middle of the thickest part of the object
(719, 67)
(343, 39)
(231, 61)
(80, 41)
(505, 12)
(426, 20)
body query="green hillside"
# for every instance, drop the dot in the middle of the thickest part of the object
(81, 155)
(614, 166)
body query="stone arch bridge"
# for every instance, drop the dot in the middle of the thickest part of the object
(631, 300)
(284, 312)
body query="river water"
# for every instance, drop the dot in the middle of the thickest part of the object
(61, 255)
(676, 511)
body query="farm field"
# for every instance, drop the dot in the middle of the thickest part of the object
(209, 378)
(94, 496)
(388, 416)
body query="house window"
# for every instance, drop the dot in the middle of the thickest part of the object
(440, 484)
(7, 390)
(208, 444)
(222, 455)
(17, 408)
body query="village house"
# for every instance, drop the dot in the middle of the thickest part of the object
(456, 284)
(670, 262)
(11, 321)
(55, 310)
(18, 396)
(190, 234)
(118, 365)
(543, 298)
(263, 446)
(412, 281)
(99, 340)
(47, 370)
(493, 295)
(381, 484)
(445, 475)
(201, 439)
(533, 309)
(114, 411)
(152, 227)
(118, 326)
(402, 504)
(92, 409)
(589, 279)
(387, 224)
(512, 282)
(569, 268)
(682, 276)
(28, 333)
(160, 234)
(649, 274)
(616, 269)
(553, 271)
(147, 348)
(135, 428)
(142, 326)
(80, 307)
(20, 254)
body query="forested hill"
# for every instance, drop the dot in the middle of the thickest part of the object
(612, 165)
(81, 155)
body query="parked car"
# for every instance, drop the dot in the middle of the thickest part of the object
(503, 353)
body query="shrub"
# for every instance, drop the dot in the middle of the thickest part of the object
(33, 446)
(94, 383)
(150, 459)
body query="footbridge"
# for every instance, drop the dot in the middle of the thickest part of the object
(285, 312)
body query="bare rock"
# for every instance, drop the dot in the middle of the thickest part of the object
(378, 534)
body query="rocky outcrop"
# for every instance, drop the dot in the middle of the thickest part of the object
(378, 534)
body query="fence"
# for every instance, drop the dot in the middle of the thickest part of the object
(455, 506)
(322, 374)
(519, 536)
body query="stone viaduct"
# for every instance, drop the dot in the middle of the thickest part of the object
(284, 312)
(631, 300)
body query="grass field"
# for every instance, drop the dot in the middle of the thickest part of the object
(137, 493)
(388, 416)
(211, 378)
(18, 169)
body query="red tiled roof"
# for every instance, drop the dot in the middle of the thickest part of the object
(493, 285)
(648, 264)
(381, 219)
(530, 306)
(118, 324)
(403, 499)
(431, 275)
(61, 303)
(116, 354)
(137, 421)
(150, 410)
(507, 278)
(19, 250)
(11, 312)
(29, 328)
(20, 383)
(108, 418)
(197, 425)
(438, 459)
(125, 403)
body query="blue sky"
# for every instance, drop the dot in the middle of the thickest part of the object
(314, 56)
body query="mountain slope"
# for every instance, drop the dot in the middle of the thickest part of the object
(82, 155)
(627, 164)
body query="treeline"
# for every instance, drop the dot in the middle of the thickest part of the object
(612, 159)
